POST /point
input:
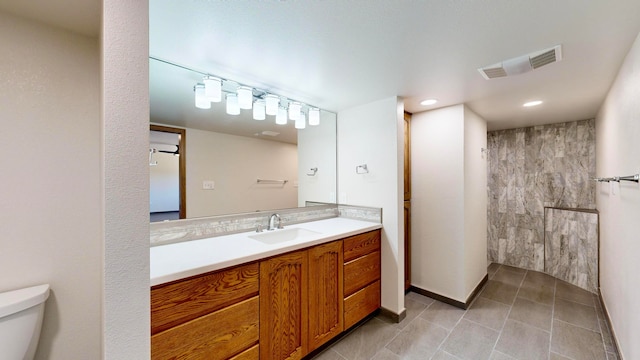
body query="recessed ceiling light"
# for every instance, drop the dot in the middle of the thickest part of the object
(532, 103)
(428, 102)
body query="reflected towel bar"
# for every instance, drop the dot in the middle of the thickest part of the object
(267, 181)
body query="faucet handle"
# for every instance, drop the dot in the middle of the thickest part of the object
(259, 228)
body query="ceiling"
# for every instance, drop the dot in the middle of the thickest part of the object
(338, 54)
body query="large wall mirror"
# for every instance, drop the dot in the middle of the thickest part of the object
(230, 163)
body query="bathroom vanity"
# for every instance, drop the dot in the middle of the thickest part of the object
(289, 293)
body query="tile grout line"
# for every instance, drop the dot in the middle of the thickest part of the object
(510, 308)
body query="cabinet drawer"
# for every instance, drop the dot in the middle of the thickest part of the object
(362, 244)
(218, 335)
(361, 304)
(176, 303)
(252, 353)
(360, 272)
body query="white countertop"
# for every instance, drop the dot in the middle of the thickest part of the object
(180, 260)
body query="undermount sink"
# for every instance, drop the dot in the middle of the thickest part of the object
(283, 235)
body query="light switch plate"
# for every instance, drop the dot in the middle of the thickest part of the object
(208, 185)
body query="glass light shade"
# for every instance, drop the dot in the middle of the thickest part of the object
(259, 110)
(232, 104)
(294, 110)
(281, 117)
(300, 121)
(245, 97)
(272, 104)
(201, 100)
(314, 116)
(212, 88)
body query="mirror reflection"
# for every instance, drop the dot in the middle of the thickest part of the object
(231, 163)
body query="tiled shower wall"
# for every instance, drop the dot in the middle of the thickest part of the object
(530, 169)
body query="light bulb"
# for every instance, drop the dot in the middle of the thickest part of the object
(212, 88)
(232, 104)
(281, 118)
(300, 121)
(259, 110)
(201, 100)
(273, 103)
(245, 97)
(294, 110)
(314, 116)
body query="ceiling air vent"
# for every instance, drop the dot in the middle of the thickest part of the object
(522, 64)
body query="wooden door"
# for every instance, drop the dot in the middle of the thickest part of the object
(283, 306)
(407, 245)
(325, 293)
(407, 201)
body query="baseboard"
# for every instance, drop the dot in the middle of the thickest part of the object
(396, 318)
(605, 311)
(459, 304)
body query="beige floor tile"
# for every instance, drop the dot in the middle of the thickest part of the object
(500, 292)
(576, 314)
(507, 276)
(419, 298)
(364, 342)
(538, 287)
(471, 341)
(443, 355)
(532, 313)
(385, 354)
(489, 313)
(523, 341)
(419, 340)
(497, 355)
(442, 314)
(567, 291)
(555, 356)
(414, 309)
(575, 342)
(328, 354)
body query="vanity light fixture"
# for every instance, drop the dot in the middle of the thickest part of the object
(232, 104)
(272, 104)
(428, 102)
(240, 96)
(259, 110)
(201, 100)
(294, 110)
(281, 117)
(245, 97)
(532, 103)
(314, 116)
(212, 88)
(300, 121)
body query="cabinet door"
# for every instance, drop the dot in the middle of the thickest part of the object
(283, 307)
(325, 293)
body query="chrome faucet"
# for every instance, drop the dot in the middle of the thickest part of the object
(272, 222)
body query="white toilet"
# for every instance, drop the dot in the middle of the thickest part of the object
(21, 313)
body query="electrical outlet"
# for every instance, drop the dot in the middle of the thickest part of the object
(208, 185)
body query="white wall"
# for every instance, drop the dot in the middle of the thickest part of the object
(317, 149)
(448, 201)
(50, 208)
(618, 153)
(234, 163)
(372, 134)
(475, 200)
(125, 126)
(164, 181)
(437, 201)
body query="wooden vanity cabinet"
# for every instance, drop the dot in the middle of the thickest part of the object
(361, 276)
(280, 308)
(210, 316)
(326, 312)
(283, 306)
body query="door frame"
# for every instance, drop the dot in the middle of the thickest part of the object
(182, 166)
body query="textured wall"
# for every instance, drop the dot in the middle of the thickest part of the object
(530, 169)
(571, 247)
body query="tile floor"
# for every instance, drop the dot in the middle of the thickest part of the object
(519, 314)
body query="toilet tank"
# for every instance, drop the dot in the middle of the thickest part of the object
(21, 313)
